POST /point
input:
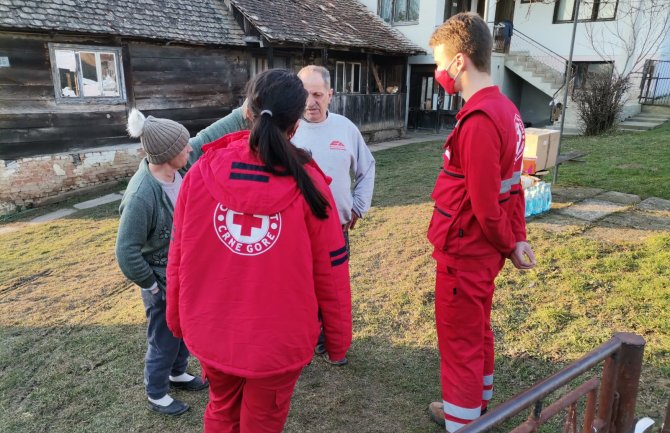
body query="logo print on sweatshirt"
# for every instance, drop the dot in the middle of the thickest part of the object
(336, 145)
(246, 234)
(520, 137)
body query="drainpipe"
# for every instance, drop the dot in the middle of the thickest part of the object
(568, 73)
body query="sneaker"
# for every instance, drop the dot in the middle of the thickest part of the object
(342, 362)
(320, 349)
(436, 412)
(175, 408)
(195, 384)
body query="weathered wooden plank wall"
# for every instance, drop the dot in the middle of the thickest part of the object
(371, 112)
(31, 122)
(193, 85)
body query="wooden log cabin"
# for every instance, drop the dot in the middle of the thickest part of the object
(70, 70)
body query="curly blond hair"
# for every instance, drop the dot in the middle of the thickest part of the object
(466, 33)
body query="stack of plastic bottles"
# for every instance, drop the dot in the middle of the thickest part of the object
(538, 198)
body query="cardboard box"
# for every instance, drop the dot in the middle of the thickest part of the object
(542, 147)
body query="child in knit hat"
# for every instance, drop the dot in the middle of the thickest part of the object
(142, 250)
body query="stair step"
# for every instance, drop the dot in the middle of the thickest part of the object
(626, 125)
(652, 117)
(645, 120)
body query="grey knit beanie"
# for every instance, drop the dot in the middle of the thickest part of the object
(162, 139)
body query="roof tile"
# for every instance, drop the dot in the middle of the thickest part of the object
(321, 24)
(189, 21)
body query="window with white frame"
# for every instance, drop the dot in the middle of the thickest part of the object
(589, 10)
(399, 11)
(87, 73)
(347, 77)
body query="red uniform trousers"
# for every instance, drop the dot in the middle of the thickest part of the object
(242, 405)
(465, 339)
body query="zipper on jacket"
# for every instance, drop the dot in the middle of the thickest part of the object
(460, 233)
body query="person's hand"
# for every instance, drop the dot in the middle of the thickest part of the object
(351, 224)
(523, 257)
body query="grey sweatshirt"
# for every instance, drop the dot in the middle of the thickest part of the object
(338, 147)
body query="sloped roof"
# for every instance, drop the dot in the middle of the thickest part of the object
(324, 23)
(189, 21)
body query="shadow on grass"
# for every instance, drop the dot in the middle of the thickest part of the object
(89, 379)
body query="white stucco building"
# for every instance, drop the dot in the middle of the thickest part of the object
(614, 35)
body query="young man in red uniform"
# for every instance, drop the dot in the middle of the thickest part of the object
(478, 220)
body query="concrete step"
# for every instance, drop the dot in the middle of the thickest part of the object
(640, 126)
(637, 118)
(654, 117)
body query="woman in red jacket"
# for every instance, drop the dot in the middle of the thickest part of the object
(257, 250)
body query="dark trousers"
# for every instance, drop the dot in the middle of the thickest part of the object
(166, 355)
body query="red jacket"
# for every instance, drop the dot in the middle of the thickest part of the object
(250, 266)
(479, 203)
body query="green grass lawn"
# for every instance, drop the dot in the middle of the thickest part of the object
(73, 328)
(632, 162)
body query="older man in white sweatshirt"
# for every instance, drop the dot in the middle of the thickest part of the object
(338, 147)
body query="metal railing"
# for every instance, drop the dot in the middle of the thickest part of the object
(539, 53)
(655, 83)
(615, 392)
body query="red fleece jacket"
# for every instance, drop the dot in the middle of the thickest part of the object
(479, 202)
(250, 266)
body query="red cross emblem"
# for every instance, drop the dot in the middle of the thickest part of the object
(246, 234)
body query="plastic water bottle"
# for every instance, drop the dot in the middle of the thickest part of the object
(548, 196)
(527, 200)
(532, 194)
(537, 207)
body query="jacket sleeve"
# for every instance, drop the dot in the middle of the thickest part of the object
(174, 263)
(134, 231)
(481, 151)
(364, 176)
(233, 122)
(331, 277)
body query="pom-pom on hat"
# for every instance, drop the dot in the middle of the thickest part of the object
(162, 139)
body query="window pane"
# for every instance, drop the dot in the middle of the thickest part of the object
(357, 78)
(586, 9)
(414, 10)
(565, 8)
(606, 9)
(339, 77)
(110, 82)
(66, 64)
(385, 10)
(400, 10)
(89, 74)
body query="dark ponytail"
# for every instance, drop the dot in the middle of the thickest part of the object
(276, 100)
